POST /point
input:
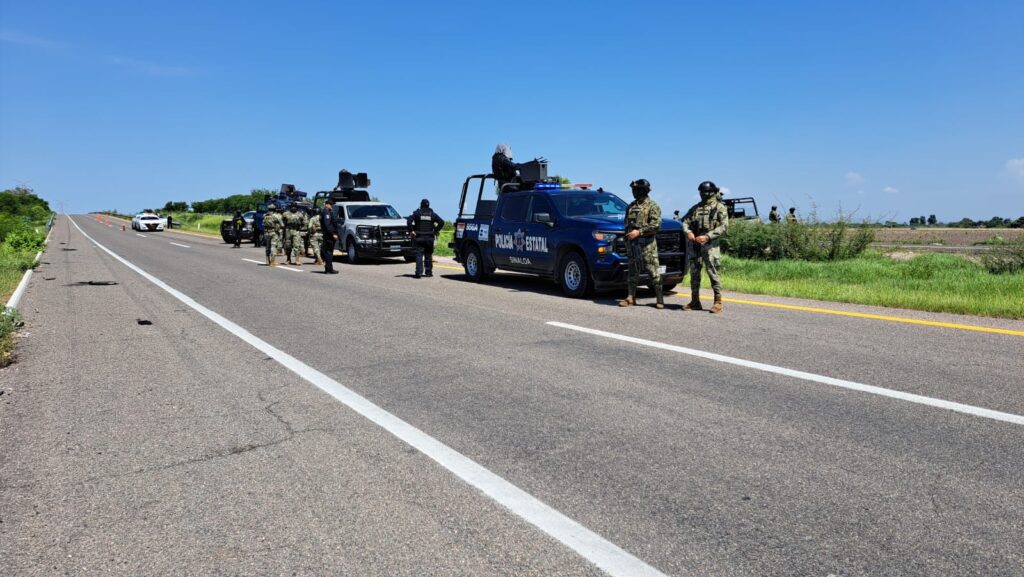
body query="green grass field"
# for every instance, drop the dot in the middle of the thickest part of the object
(928, 282)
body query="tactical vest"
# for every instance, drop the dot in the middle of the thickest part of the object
(706, 217)
(637, 215)
(293, 220)
(424, 221)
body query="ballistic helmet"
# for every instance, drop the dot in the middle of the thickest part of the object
(424, 203)
(641, 185)
(708, 189)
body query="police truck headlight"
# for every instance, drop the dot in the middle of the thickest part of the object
(364, 232)
(605, 236)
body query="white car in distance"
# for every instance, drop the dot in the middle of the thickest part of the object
(148, 221)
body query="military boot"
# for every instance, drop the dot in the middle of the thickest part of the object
(694, 304)
(628, 301)
(272, 260)
(717, 307)
(319, 261)
(659, 292)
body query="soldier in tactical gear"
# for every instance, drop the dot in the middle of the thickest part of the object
(315, 237)
(237, 224)
(273, 226)
(502, 167)
(703, 224)
(424, 224)
(791, 217)
(773, 216)
(295, 224)
(329, 226)
(643, 221)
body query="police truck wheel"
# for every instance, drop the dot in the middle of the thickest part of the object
(474, 264)
(668, 287)
(573, 275)
(351, 253)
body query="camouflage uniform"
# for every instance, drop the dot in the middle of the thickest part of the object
(315, 238)
(708, 217)
(295, 224)
(272, 228)
(644, 215)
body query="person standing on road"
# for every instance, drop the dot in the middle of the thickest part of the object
(773, 216)
(424, 224)
(330, 231)
(315, 238)
(703, 224)
(791, 217)
(272, 227)
(237, 224)
(643, 221)
(295, 224)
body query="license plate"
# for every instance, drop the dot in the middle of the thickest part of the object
(662, 269)
(395, 248)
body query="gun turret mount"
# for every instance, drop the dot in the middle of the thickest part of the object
(349, 181)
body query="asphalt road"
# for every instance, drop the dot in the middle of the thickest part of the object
(727, 444)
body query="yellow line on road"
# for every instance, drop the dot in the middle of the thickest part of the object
(818, 310)
(873, 316)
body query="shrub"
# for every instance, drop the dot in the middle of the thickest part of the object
(811, 241)
(1005, 259)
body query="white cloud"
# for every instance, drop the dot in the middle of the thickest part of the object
(1015, 168)
(854, 178)
(890, 190)
(153, 69)
(14, 37)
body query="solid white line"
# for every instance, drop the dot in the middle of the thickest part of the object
(181, 245)
(283, 267)
(142, 235)
(609, 557)
(920, 399)
(255, 261)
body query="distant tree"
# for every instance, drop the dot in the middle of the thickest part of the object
(1019, 223)
(965, 223)
(174, 206)
(932, 220)
(997, 222)
(914, 221)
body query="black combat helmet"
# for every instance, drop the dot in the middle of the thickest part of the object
(424, 203)
(707, 189)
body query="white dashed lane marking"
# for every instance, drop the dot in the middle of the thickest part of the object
(853, 386)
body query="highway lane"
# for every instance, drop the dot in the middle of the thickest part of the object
(693, 466)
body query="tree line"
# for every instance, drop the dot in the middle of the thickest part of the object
(994, 222)
(228, 204)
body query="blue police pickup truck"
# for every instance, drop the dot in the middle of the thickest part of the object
(570, 234)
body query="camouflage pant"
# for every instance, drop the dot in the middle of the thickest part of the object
(294, 245)
(315, 240)
(708, 255)
(649, 264)
(272, 242)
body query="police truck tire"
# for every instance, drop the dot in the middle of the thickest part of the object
(667, 288)
(227, 239)
(573, 275)
(351, 253)
(473, 263)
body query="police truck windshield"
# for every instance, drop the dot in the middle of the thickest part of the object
(366, 211)
(589, 204)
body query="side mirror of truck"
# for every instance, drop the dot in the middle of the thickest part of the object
(543, 218)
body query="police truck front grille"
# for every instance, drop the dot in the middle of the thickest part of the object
(667, 242)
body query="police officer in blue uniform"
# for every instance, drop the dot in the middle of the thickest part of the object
(424, 225)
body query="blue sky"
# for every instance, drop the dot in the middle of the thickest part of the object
(891, 109)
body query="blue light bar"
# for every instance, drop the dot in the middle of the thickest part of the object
(547, 186)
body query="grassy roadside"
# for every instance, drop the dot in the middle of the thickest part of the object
(928, 282)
